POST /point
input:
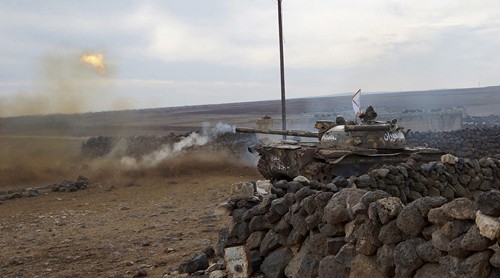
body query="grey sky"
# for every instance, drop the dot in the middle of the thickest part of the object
(185, 52)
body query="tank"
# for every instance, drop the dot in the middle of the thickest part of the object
(344, 148)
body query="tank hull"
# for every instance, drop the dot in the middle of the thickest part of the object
(286, 161)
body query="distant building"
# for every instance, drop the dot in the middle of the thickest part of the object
(265, 122)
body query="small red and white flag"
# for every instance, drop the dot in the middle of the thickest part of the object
(356, 102)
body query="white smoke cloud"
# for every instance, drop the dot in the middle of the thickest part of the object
(167, 152)
(225, 128)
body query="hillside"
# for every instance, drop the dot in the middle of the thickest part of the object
(160, 121)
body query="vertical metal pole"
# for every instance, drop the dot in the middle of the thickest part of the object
(282, 71)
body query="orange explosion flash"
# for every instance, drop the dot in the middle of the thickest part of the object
(96, 60)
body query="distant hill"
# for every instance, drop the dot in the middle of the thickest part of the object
(476, 101)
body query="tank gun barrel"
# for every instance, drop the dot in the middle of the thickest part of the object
(384, 127)
(300, 133)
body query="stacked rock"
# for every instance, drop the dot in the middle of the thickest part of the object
(307, 229)
(80, 183)
(470, 142)
(451, 178)
(98, 146)
(271, 227)
(358, 233)
(482, 121)
(134, 146)
(71, 186)
(137, 146)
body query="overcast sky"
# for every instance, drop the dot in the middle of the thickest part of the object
(187, 52)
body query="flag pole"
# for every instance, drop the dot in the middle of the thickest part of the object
(282, 70)
(356, 104)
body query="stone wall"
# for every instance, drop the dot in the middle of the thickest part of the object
(451, 178)
(470, 142)
(309, 230)
(137, 146)
(428, 120)
(80, 183)
(481, 121)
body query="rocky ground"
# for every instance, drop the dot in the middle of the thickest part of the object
(123, 224)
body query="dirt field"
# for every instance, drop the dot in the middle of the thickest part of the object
(127, 219)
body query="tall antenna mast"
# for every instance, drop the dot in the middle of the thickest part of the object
(282, 71)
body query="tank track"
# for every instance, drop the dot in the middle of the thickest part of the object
(325, 171)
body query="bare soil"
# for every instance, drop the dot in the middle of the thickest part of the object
(127, 219)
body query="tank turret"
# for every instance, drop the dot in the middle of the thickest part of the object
(372, 134)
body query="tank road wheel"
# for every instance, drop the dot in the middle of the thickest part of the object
(317, 171)
(262, 166)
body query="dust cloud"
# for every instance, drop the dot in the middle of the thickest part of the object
(30, 161)
(196, 154)
(168, 151)
(68, 81)
(37, 161)
(191, 156)
(31, 171)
